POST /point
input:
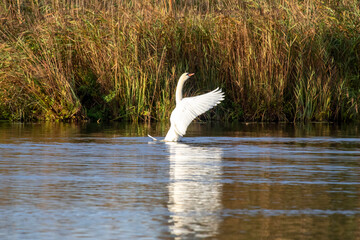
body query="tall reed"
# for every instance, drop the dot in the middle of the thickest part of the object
(276, 60)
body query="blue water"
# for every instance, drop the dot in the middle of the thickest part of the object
(245, 181)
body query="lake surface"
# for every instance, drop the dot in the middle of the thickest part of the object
(244, 181)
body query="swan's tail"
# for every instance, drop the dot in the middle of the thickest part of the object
(152, 138)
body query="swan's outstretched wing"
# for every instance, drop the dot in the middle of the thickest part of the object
(191, 107)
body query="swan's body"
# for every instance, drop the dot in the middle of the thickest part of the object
(187, 109)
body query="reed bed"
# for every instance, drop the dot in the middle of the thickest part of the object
(277, 60)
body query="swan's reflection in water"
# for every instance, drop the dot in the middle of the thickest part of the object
(194, 190)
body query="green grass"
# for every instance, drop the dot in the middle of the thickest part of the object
(120, 60)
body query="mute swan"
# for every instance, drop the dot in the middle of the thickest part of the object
(187, 109)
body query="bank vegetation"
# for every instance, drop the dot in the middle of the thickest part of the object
(276, 60)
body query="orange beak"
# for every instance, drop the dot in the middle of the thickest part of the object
(190, 74)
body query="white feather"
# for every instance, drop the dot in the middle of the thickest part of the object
(190, 108)
(187, 109)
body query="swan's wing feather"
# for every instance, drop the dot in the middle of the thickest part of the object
(191, 107)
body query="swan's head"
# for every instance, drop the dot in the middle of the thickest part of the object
(185, 76)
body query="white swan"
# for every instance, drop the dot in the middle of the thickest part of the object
(187, 109)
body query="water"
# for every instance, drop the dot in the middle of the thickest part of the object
(245, 181)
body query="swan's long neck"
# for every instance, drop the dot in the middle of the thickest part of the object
(179, 88)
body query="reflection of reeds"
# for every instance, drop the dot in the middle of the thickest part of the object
(276, 60)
